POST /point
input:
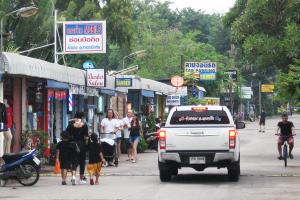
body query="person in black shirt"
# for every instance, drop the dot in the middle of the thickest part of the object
(287, 130)
(66, 155)
(262, 121)
(79, 134)
(95, 159)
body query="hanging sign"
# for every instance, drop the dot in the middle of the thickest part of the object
(203, 70)
(96, 78)
(84, 37)
(232, 74)
(267, 88)
(123, 82)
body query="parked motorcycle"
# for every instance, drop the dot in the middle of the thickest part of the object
(23, 167)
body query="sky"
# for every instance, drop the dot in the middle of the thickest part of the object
(208, 6)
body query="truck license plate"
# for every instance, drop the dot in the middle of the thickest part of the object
(197, 160)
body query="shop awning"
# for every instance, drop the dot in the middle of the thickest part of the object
(16, 64)
(108, 92)
(147, 93)
(57, 85)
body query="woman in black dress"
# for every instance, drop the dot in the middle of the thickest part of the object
(78, 130)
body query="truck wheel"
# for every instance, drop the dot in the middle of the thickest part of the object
(164, 172)
(164, 175)
(234, 172)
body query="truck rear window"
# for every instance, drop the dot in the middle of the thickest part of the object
(199, 117)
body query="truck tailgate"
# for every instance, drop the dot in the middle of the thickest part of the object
(200, 138)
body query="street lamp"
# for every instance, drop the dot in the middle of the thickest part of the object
(137, 53)
(22, 12)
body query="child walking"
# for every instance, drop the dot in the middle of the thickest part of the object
(95, 159)
(66, 154)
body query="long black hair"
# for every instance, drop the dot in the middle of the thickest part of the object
(137, 122)
(111, 111)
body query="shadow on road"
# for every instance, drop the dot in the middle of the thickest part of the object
(201, 178)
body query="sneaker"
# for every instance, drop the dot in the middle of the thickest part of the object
(280, 158)
(91, 181)
(63, 183)
(291, 156)
(73, 181)
(259, 131)
(133, 161)
(82, 182)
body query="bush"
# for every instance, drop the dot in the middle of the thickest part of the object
(142, 146)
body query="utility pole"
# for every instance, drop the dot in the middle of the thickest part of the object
(259, 96)
(55, 32)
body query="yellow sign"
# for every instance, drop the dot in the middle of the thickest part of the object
(267, 88)
(212, 101)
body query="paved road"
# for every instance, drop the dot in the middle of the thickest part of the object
(263, 177)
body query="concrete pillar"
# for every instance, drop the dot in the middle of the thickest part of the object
(24, 105)
(17, 110)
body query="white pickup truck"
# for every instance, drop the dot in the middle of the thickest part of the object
(199, 137)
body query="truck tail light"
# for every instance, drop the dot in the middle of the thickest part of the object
(162, 139)
(232, 138)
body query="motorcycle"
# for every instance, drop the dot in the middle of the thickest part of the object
(23, 167)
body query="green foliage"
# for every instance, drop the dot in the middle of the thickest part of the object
(150, 120)
(288, 84)
(142, 146)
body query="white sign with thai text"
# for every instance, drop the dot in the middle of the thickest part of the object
(173, 100)
(84, 37)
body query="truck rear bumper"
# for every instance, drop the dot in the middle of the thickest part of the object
(183, 157)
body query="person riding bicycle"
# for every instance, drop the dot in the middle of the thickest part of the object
(287, 130)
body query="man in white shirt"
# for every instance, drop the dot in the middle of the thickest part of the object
(126, 125)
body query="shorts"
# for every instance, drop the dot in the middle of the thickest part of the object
(94, 169)
(262, 122)
(133, 139)
(118, 139)
(281, 140)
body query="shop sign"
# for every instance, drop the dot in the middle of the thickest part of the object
(88, 65)
(123, 82)
(232, 74)
(203, 70)
(214, 101)
(246, 92)
(267, 88)
(96, 78)
(173, 100)
(60, 95)
(84, 37)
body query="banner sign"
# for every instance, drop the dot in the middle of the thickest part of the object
(203, 70)
(173, 100)
(267, 88)
(232, 74)
(96, 78)
(246, 92)
(123, 82)
(84, 37)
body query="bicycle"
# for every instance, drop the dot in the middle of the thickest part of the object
(285, 150)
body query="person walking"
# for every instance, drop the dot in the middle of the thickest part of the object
(78, 131)
(262, 121)
(119, 135)
(95, 159)
(109, 126)
(126, 126)
(134, 137)
(66, 155)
